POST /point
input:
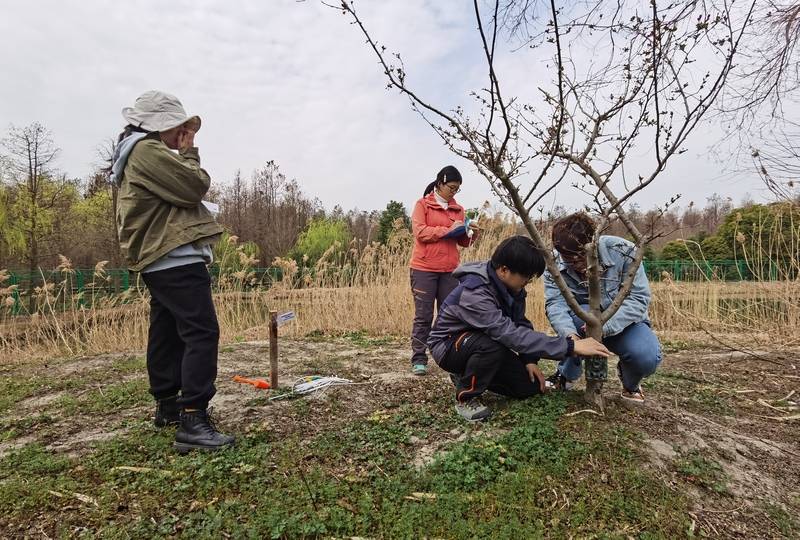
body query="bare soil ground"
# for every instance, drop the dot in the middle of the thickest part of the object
(719, 429)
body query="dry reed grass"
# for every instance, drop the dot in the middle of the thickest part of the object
(367, 292)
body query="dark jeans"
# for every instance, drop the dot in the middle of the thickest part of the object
(479, 363)
(184, 335)
(427, 287)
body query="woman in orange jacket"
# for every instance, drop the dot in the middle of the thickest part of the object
(438, 224)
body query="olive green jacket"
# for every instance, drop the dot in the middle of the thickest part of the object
(159, 203)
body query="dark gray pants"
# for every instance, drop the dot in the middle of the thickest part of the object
(427, 288)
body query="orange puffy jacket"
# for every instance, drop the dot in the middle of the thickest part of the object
(430, 222)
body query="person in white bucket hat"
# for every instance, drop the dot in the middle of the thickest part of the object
(166, 234)
(159, 111)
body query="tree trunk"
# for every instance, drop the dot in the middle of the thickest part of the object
(33, 264)
(595, 368)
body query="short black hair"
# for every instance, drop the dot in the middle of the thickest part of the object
(445, 176)
(520, 255)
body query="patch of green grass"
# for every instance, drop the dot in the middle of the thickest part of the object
(17, 388)
(672, 380)
(696, 394)
(361, 339)
(315, 336)
(677, 345)
(537, 475)
(13, 428)
(27, 478)
(707, 399)
(260, 401)
(703, 471)
(436, 415)
(300, 407)
(105, 399)
(786, 523)
(130, 364)
(324, 365)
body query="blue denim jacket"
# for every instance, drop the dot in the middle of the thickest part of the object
(616, 254)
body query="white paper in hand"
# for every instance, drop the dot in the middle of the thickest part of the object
(212, 207)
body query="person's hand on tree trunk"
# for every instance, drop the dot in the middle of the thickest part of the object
(590, 347)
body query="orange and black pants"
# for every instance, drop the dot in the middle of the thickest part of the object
(480, 363)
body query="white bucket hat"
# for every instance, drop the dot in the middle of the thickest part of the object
(158, 111)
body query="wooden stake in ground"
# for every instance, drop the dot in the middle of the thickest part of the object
(273, 349)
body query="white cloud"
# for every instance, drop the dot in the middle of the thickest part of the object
(283, 80)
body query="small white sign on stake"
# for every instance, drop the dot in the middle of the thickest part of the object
(284, 318)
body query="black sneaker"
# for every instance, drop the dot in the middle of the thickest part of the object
(198, 432)
(557, 381)
(167, 412)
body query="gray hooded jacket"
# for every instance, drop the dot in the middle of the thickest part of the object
(482, 303)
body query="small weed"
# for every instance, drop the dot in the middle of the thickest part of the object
(316, 336)
(15, 389)
(13, 428)
(260, 401)
(785, 522)
(106, 399)
(706, 399)
(696, 394)
(702, 471)
(130, 364)
(360, 339)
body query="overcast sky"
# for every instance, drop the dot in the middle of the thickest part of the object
(276, 80)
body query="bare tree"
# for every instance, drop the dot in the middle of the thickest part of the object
(769, 70)
(37, 189)
(270, 210)
(759, 108)
(620, 75)
(777, 161)
(716, 209)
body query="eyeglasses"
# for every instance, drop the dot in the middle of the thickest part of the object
(452, 189)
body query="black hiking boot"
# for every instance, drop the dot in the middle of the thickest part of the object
(198, 432)
(167, 412)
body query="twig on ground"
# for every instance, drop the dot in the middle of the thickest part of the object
(308, 489)
(783, 418)
(709, 511)
(592, 411)
(765, 404)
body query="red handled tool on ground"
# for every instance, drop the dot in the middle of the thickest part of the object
(258, 383)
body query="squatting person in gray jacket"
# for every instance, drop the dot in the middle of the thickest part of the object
(482, 338)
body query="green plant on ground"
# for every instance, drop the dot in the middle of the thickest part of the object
(363, 340)
(356, 478)
(105, 398)
(703, 471)
(786, 523)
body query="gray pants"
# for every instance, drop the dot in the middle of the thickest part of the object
(427, 287)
